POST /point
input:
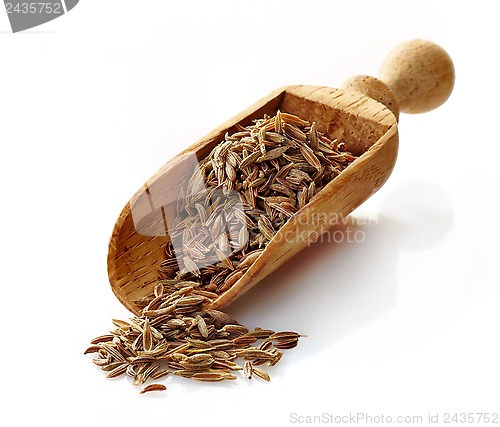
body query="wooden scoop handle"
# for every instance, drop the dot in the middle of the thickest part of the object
(417, 76)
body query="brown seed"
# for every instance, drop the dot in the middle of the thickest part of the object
(212, 376)
(278, 124)
(142, 359)
(150, 371)
(92, 349)
(282, 189)
(261, 333)
(310, 157)
(160, 312)
(261, 374)
(294, 133)
(225, 364)
(159, 374)
(196, 343)
(206, 294)
(250, 259)
(275, 359)
(131, 371)
(121, 324)
(111, 366)
(293, 120)
(102, 338)
(231, 280)
(179, 349)
(245, 340)
(147, 337)
(273, 154)
(191, 266)
(117, 371)
(189, 301)
(280, 209)
(250, 159)
(174, 323)
(202, 326)
(284, 335)
(203, 358)
(248, 370)
(265, 229)
(219, 354)
(112, 351)
(286, 344)
(313, 135)
(235, 329)
(138, 380)
(153, 387)
(265, 345)
(159, 290)
(254, 353)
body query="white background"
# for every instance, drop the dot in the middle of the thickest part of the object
(93, 103)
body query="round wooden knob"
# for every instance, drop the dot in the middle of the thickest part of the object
(417, 76)
(421, 75)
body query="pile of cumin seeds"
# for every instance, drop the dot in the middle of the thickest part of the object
(243, 192)
(174, 335)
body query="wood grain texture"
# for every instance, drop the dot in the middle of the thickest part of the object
(369, 129)
(374, 88)
(421, 75)
(417, 76)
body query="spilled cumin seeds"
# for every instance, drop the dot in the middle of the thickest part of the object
(174, 335)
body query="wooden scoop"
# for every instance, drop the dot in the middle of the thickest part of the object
(417, 76)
